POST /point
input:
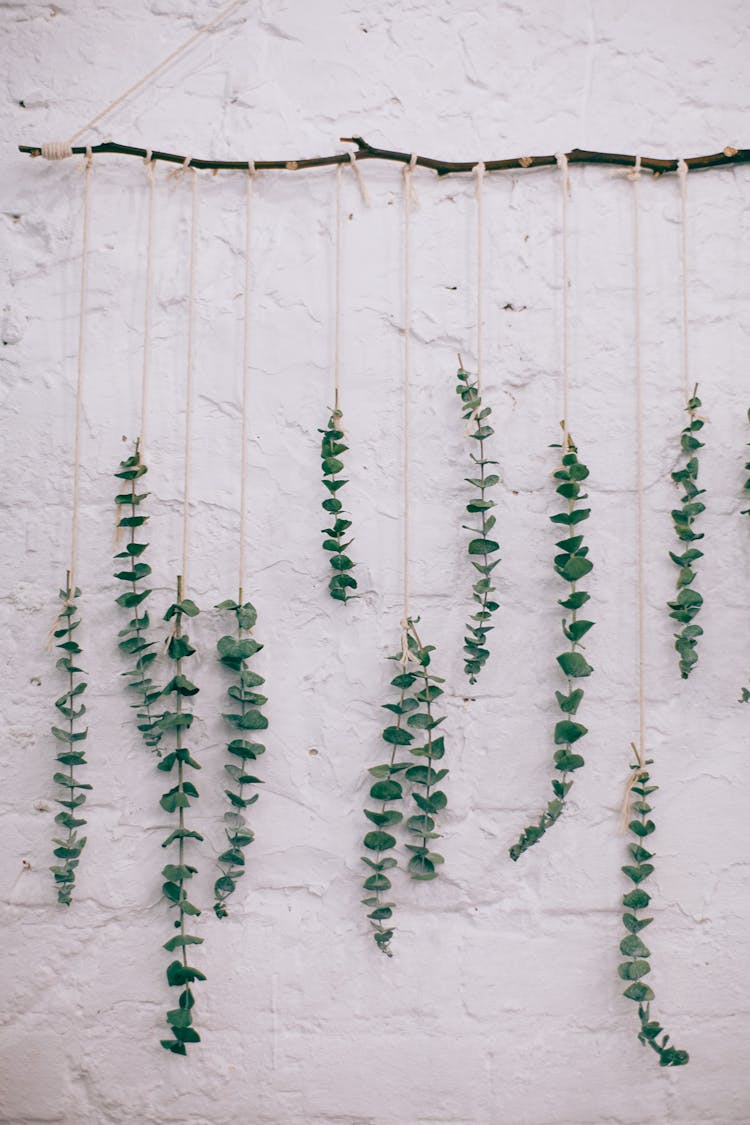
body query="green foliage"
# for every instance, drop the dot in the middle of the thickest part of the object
(233, 653)
(632, 946)
(71, 755)
(481, 547)
(177, 799)
(133, 639)
(688, 601)
(413, 732)
(341, 583)
(571, 564)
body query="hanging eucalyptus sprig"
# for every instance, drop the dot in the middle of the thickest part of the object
(688, 602)
(134, 641)
(637, 809)
(177, 875)
(234, 652)
(572, 564)
(481, 547)
(341, 583)
(72, 708)
(417, 690)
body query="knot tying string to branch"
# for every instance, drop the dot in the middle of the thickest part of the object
(56, 150)
(178, 172)
(635, 172)
(360, 179)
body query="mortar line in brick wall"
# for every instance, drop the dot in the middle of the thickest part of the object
(657, 165)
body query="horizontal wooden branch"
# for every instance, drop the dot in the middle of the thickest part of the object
(365, 151)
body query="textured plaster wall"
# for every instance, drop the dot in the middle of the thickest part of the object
(502, 1003)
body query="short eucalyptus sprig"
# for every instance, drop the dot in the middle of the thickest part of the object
(632, 946)
(341, 583)
(234, 652)
(177, 875)
(134, 641)
(417, 690)
(688, 602)
(71, 755)
(481, 547)
(571, 565)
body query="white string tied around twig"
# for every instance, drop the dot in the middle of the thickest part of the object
(360, 179)
(56, 150)
(245, 373)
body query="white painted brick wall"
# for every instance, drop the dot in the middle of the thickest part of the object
(502, 1004)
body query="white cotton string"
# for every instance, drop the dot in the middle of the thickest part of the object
(360, 179)
(337, 345)
(87, 164)
(245, 372)
(189, 378)
(682, 172)
(56, 150)
(408, 191)
(479, 171)
(562, 163)
(147, 303)
(634, 177)
(156, 70)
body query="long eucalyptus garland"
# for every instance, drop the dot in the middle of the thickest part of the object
(177, 875)
(71, 755)
(481, 547)
(688, 602)
(341, 583)
(134, 641)
(417, 691)
(632, 946)
(234, 652)
(571, 565)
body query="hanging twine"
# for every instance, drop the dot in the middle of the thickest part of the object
(147, 301)
(634, 177)
(360, 179)
(682, 172)
(408, 193)
(87, 165)
(636, 774)
(562, 163)
(189, 378)
(245, 374)
(337, 348)
(479, 172)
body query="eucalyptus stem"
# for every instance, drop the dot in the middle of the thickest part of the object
(688, 602)
(134, 641)
(179, 973)
(70, 846)
(415, 707)
(634, 901)
(233, 653)
(341, 582)
(481, 547)
(571, 564)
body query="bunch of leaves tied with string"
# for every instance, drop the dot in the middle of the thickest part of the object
(688, 602)
(133, 638)
(418, 689)
(342, 582)
(571, 564)
(71, 755)
(481, 547)
(176, 724)
(632, 946)
(233, 653)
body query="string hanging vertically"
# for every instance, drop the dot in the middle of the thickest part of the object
(408, 202)
(70, 706)
(636, 807)
(236, 649)
(479, 174)
(147, 302)
(189, 371)
(688, 601)
(571, 564)
(342, 583)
